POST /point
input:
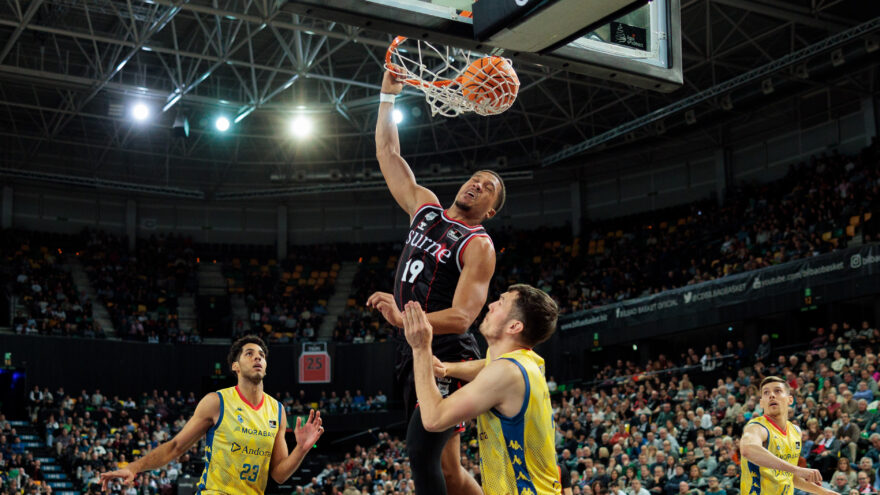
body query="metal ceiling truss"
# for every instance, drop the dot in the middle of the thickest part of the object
(68, 70)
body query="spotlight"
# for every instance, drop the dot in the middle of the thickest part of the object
(397, 115)
(140, 112)
(222, 124)
(301, 126)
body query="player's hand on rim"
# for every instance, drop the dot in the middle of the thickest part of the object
(384, 302)
(126, 474)
(416, 326)
(390, 83)
(308, 434)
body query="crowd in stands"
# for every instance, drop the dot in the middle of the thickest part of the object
(50, 303)
(357, 323)
(668, 426)
(141, 289)
(286, 300)
(671, 426)
(819, 206)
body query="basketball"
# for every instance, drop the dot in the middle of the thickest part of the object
(490, 81)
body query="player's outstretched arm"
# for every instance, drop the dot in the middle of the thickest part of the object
(806, 486)
(206, 414)
(283, 465)
(399, 177)
(752, 448)
(490, 388)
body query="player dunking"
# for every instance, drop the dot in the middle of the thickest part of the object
(245, 433)
(771, 447)
(446, 266)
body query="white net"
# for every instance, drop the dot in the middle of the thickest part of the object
(486, 86)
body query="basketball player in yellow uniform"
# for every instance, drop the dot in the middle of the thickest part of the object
(245, 433)
(507, 394)
(771, 447)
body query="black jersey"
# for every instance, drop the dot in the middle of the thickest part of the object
(431, 261)
(430, 265)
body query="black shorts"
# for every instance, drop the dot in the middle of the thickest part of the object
(448, 348)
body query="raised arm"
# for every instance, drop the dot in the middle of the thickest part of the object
(752, 447)
(500, 385)
(282, 464)
(205, 416)
(400, 179)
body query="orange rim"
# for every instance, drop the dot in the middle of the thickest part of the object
(412, 82)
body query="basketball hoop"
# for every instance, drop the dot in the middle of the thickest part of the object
(486, 86)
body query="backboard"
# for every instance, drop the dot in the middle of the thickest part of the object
(635, 42)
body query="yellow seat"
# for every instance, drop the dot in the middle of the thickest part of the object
(826, 236)
(618, 234)
(335, 267)
(351, 302)
(867, 216)
(855, 221)
(254, 262)
(536, 259)
(273, 262)
(851, 230)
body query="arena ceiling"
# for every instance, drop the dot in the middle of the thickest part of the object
(70, 69)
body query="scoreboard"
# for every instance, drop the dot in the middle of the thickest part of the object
(314, 363)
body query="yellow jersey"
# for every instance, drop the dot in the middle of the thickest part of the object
(518, 454)
(784, 443)
(238, 447)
